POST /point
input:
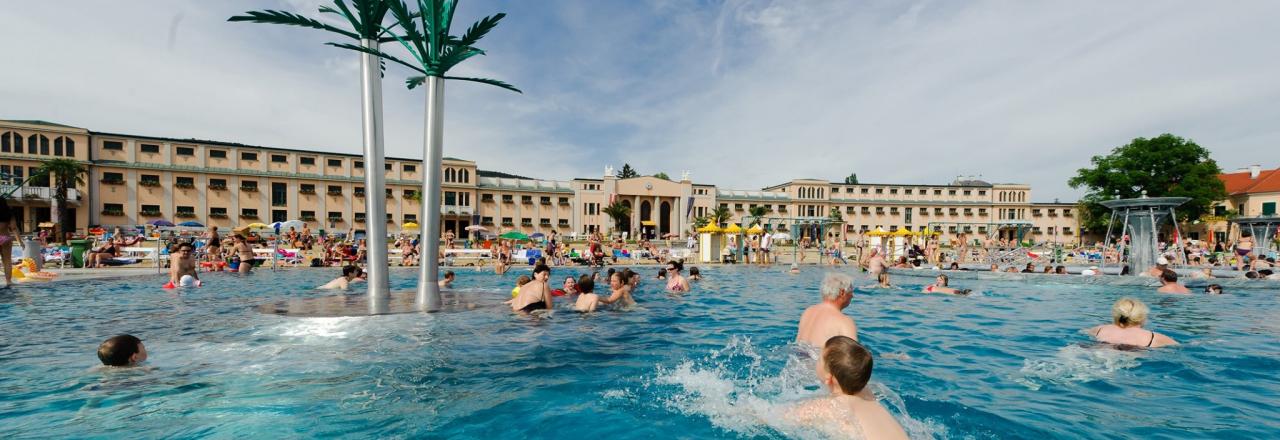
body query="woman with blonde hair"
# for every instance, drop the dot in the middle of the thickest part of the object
(1128, 315)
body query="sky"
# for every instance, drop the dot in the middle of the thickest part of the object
(743, 94)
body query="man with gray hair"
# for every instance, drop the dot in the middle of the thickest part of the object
(825, 320)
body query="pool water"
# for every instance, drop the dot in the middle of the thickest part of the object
(1008, 362)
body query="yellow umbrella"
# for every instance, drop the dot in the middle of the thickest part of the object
(410, 225)
(710, 228)
(256, 226)
(755, 230)
(879, 232)
(928, 231)
(733, 229)
(903, 233)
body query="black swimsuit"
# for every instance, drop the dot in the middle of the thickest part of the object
(540, 305)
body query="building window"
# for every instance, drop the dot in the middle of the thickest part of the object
(335, 163)
(185, 151)
(968, 192)
(544, 200)
(184, 182)
(359, 164)
(389, 194)
(982, 192)
(486, 220)
(249, 156)
(893, 211)
(526, 222)
(217, 154)
(360, 216)
(564, 222)
(109, 145)
(507, 198)
(60, 143)
(865, 191)
(306, 161)
(150, 210)
(107, 178)
(937, 211)
(411, 218)
(410, 168)
(527, 200)
(307, 188)
(307, 216)
(217, 183)
(410, 193)
(358, 191)
(279, 158)
(879, 210)
(848, 210)
(506, 221)
(335, 216)
(968, 211)
(938, 192)
(564, 201)
(218, 212)
(112, 209)
(249, 185)
(951, 192)
(335, 190)
(893, 190)
(450, 198)
(149, 180)
(951, 211)
(149, 148)
(185, 211)
(866, 210)
(386, 166)
(544, 222)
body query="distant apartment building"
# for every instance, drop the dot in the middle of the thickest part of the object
(1251, 192)
(135, 179)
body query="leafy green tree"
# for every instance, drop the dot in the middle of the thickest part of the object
(852, 179)
(757, 213)
(627, 172)
(700, 221)
(720, 216)
(662, 176)
(65, 174)
(1163, 166)
(618, 212)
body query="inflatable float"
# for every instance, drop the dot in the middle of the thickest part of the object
(25, 271)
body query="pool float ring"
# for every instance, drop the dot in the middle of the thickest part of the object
(559, 292)
(185, 281)
(25, 270)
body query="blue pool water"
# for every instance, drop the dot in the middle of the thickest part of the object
(716, 363)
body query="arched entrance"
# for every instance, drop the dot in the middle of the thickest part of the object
(646, 213)
(664, 218)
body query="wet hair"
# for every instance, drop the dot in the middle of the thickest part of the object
(1213, 289)
(1060, 269)
(448, 274)
(662, 273)
(586, 284)
(350, 270)
(677, 265)
(522, 280)
(611, 271)
(1251, 275)
(1169, 276)
(1265, 273)
(541, 268)
(848, 362)
(694, 271)
(117, 350)
(834, 284)
(1128, 312)
(945, 280)
(1246, 234)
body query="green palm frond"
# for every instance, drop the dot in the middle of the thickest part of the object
(426, 36)
(479, 29)
(286, 18)
(492, 82)
(376, 52)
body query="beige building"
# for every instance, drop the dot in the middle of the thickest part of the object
(136, 179)
(1251, 192)
(24, 145)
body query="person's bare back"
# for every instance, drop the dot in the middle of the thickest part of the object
(857, 416)
(823, 321)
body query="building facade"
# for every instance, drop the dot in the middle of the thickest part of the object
(1251, 192)
(137, 179)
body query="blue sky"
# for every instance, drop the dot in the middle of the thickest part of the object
(742, 93)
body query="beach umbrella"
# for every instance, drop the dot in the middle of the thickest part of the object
(781, 236)
(754, 230)
(710, 228)
(160, 223)
(191, 224)
(256, 226)
(537, 235)
(903, 233)
(474, 228)
(285, 225)
(514, 235)
(410, 225)
(879, 232)
(733, 229)
(671, 235)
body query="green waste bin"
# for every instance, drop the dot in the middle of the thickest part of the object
(78, 249)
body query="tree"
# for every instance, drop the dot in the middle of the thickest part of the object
(425, 35)
(64, 173)
(757, 213)
(1163, 166)
(662, 176)
(852, 179)
(700, 221)
(627, 172)
(835, 215)
(720, 215)
(368, 28)
(618, 212)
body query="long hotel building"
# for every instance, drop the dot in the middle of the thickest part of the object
(135, 179)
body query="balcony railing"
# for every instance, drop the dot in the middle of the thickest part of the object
(39, 193)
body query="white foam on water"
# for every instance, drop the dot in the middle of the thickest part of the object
(1075, 363)
(317, 328)
(733, 390)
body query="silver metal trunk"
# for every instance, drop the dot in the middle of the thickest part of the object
(375, 181)
(428, 290)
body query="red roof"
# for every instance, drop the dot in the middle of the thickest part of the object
(1241, 183)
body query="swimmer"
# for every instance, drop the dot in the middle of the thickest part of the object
(349, 274)
(662, 274)
(536, 294)
(995, 267)
(122, 351)
(852, 410)
(1128, 315)
(1162, 264)
(941, 287)
(240, 246)
(875, 263)
(676, 282)
(621, 290)
(587, 298)
(634, 277)
(826, 319)
(182, 273)
(1169, 283)
(882, 281)
(795, 269)
(447, 282)
(1213, 289)
(520, 282)
(695, 274)
(570, 287)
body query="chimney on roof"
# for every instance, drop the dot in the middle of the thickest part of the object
(1254, 171)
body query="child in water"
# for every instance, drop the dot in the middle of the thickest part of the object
(587, 298)
(182, 271)
(852, 410)
(122, 351)
(520, 282)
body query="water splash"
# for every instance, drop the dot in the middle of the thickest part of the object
(736, 389)
(1075, 363)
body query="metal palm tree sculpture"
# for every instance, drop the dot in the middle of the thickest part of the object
(366, 19)
(426, 37)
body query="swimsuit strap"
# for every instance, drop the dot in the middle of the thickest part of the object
(1153, 338)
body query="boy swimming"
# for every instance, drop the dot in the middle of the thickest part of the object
(122, 351)
(852, 410)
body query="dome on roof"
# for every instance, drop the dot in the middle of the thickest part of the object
(970, 181)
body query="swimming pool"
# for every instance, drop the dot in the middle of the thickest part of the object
(1006, 363)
